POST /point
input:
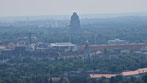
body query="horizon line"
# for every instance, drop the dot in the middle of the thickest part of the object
(117, 13)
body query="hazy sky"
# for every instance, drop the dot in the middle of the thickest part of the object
(51, 7)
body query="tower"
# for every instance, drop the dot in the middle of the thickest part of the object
(74, 27)
(74, 22)
(86, 50)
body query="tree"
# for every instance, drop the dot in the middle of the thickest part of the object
(144, 78)
(103, 80)
(112, 80)
(118, 78)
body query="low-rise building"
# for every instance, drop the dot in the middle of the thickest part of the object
(126, 74)
(116, 42)
(125, 47)
(2, 47)
(102, 75)
(64, 46)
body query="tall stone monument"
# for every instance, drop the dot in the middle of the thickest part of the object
(74, 22)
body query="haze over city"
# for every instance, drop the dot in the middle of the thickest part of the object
(66, 7)
(73, 41)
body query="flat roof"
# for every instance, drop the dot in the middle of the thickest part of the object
(62, 44)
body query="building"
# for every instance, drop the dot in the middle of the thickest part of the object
(74, 22)
(116, 42)
(2, 47)
(101, 48)
(64, 46)
(102, 75)
(138, 71)
(56, 79)
(126, 74)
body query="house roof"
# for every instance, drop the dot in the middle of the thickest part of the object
(139, 71)
(102, 75)
(55, 78)
(2, 47)
(62, 44)
(129, 73)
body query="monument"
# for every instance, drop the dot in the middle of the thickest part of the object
(74, 22)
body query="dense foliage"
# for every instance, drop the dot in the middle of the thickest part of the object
(27, 69)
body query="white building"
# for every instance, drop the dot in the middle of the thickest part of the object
(64, 46)
(117, 41)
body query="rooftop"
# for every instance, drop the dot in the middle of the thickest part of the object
(62, 44)
(102, 75)
(2, 47)
(129, 73)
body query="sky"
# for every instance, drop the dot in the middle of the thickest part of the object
(66, 7)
